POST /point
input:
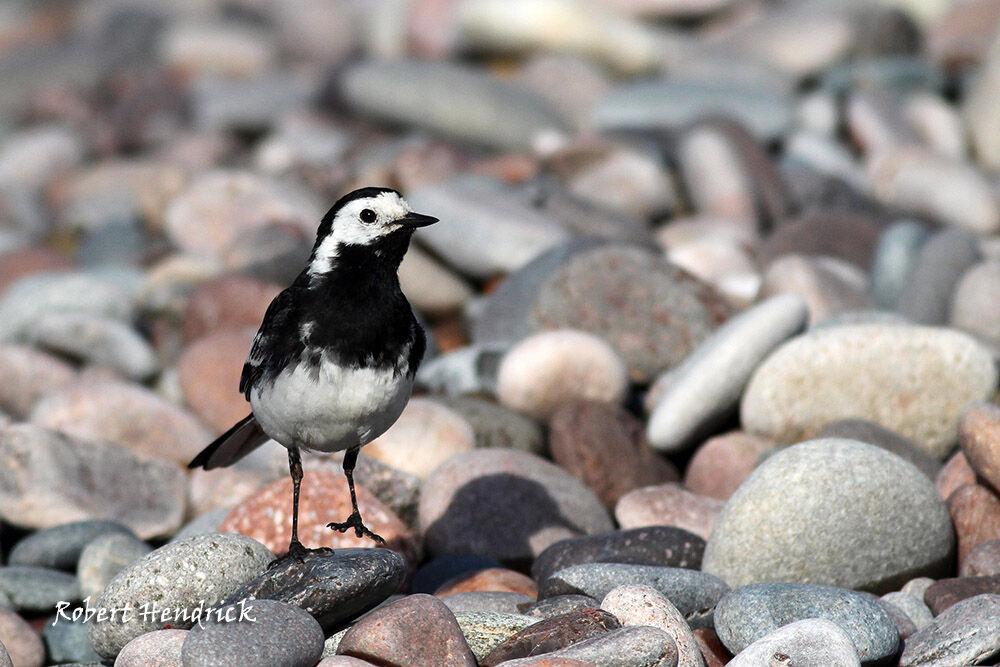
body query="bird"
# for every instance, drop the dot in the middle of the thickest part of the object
(333, 364)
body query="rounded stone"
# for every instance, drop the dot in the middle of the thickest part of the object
(751, 612)
(982, 560)
(495, 426)
(209, 371)
(505, 504)
(551, 368)
(812, 641)
(895, 257)
(228, 303)
(913, 380)
(499, 601)
(971, 306)
(975, 513)
(104, 557)
(979, 435)
(962, 635)
(260, 632)
(159, 648)
(722, 463)
(636, 646)
(668, 504)
(953, 474)
(940, 264)
(28, 375)
(491, 579)
(638, 605)
(177, 576)
(485, 630)
(23, 643)
(37, 589)
(874, 434)
(425, 436)
(59, 547)
(832, 511)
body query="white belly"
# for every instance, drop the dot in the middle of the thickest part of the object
(331, 409)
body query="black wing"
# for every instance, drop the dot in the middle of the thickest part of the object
(276, 343)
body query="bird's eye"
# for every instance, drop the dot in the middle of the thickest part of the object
(368, 215)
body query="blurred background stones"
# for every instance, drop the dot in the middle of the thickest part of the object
(677, 240)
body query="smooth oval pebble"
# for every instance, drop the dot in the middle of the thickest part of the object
(836, 512)
(975, 513)
(159, 648)
(96, 340)
(638, 605)
(503, 602)
(639, 646)
(971, 305)
(21, 641)
(178, 576)
(895, 257)
(812, 641)
(722, 463)
(913, 380)
(668, 504)
(963, 634)
(979, 435)
(708, 384)
(941, 262)
(425, 436)
(552, 634)
(27, 375)
(551, 368)
(59, 547)
(104, 557)
(915, 609)
(485, 630)
(505, 504)
(258, 633)
(37, 589)
(751, 612)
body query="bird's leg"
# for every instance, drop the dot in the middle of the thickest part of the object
(295, 548)
(354, 521)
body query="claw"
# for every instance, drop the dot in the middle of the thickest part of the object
(360, 529)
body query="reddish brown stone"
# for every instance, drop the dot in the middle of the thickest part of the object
(20, 263)
(975, 511)
(266, 516)
(712, 650)
(209, 371)
(552, 634)
(490, 579)
(838, 233)
(954, 474)
(415, 630)
(720, 465)
(231, 302)
(963, 35)
(979, 433)
(27, 375)
(604, 446)
(982, 560)
(946, 592)
(668, 505)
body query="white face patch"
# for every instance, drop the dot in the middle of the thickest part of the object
(350, 229)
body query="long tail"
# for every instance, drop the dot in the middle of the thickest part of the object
(232, 445)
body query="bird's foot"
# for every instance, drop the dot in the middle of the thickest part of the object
(298, 552)
(354, 521)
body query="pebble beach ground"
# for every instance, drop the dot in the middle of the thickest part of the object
(713, 320)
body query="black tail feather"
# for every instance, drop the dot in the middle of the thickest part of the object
(231, 446)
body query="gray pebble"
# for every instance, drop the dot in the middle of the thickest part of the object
(159, 648)
(501, 602)
(915, 609)
(640, 646)
(940, 263)
(813, 641)
(560, 604)
(104, 557)
(485, 630)
(966, 633)
(495, 426)
(68, 641)
(895, 257)
(60, 547)
(38, 589)
(468, 370)
(201, 524)
(644, 606)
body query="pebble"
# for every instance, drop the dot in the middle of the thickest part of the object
(504, 504)
(664, 546)
(159, 648)
(970, 311)
(216, 48)
(125, 414)
(96, 340)
(490, 579)
(22, 642)
(668, 504)
(627, 181)
(67, 641)
(604, 447)
(714, 178)
(963, 634)
(955, 472)
(829, 287)
(811, 641)
(249, 104)
(722, 463)
(826, 232)
(104, 557)
(944, 593)
(639, 605)
(227, 303)
(895, 256)
(468, 370)
(432, 289)
(625, 647)
(426, 435)
(416, 629)
(979, 435)
(975, 513)
(485, 630)
(177, 576)
(334, 588)
(502, 602)
(706, 387)
(874, 434)
(820, 498)
(751, 612)
(30, 158)
(560, 604)
(37, 589)
(552, 634)
(59, 547)
(266, 515)
(984, 131)
(497, 427)
(982, 560)
(939, 266)
(279, 633)
(721, 263)
(66, 479)
(439, 571)
(694, 593)
(938, 123)
(934, 373)
(484, 230)
(208, 371)
(916, 611)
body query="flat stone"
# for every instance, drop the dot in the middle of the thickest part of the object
(706, 387)
(159, 648)
(982, 560)
(639, 605)
(664, 546)
(975, 512)
(639, 646)
(495, 426)
(940, 264)
(812, 641)
(490, 579)
(411, 630)
(946, 592)
(28, 375)
(877, 519)
(505, 504)
(895, 256)
(874, 434)
(177, 576)
(694, 593)
(979, 435)
(37, 589)
(668, 504)
(63, 479)
(21, 641)
(104, 557)
(424, 436)
(264, 632)
(604, 446)
(934, 374)
(59, 547)
(722, 463)
(503, 602)
(964, 634)
(551, 634)
(751, 612)
(334, 588)
(485, 630)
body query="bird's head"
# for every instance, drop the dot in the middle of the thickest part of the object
(377, 219)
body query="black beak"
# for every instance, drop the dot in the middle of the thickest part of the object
(413, 220)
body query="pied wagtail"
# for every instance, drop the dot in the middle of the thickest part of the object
(332, 365)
